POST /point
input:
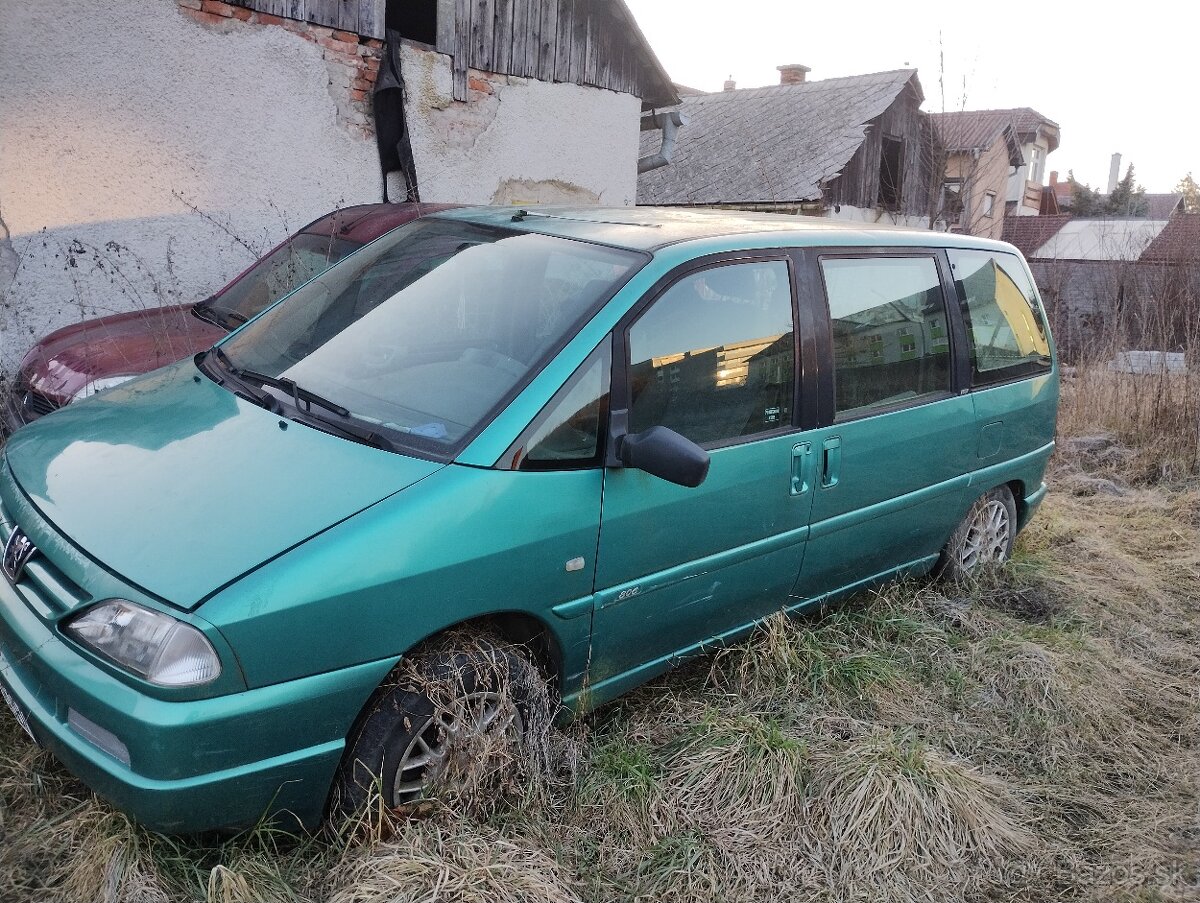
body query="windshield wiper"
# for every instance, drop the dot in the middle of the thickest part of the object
(203, 312)
(355, 433)
(298, 393)
(262, 399)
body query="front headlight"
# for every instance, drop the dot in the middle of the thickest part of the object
(163, 650)
(99, 385)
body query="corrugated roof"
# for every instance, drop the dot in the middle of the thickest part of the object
(779, 144)
(1029, 233)
(962, 130)
(1178, 242)
(1100, 239)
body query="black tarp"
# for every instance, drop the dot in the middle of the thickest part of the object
(391, 128)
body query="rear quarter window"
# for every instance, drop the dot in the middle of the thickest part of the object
(1006, 328)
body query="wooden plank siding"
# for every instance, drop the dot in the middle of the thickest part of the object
(585, 42)
(858, 185)
(547, 41)
(502, 52)
(362, 17)
(461, 54)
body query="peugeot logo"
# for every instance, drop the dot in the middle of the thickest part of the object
(17, 552)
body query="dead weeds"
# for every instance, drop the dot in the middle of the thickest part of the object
(1030, 737)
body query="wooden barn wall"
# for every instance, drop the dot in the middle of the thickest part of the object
(858, 185)
(579, 41)
(363, 17)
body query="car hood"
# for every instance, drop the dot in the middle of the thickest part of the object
(180, 487)
(131, 343)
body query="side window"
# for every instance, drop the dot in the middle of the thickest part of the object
(1005, 324)
(890, 338)
(569, 432)
(714, 357)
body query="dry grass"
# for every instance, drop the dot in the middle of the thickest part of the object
(1033, 737)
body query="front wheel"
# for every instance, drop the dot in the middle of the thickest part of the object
(985, 537)
(452, 720)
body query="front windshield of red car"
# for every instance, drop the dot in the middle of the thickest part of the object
(289, 266)
(424, 333)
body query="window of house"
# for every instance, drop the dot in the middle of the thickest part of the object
(1035, 165)
(893, 308)
(724, 336)
(989, 202)
(952, 202)
(891, 172)
(414, 19)
(1005, 324)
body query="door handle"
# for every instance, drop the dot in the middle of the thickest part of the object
(831, 462)
(801, 468)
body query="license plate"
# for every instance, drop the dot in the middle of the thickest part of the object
(14, 706)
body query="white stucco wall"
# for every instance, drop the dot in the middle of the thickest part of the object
(527, 142)
(114, 117)
(849, 213)
(1016, 181)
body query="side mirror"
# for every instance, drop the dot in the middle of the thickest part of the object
(665, 454)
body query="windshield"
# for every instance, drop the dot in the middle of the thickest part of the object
(425, 332)
(290, 265)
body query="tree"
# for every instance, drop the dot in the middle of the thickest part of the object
(1127, 198)
(1085, 200)
(1191, 194)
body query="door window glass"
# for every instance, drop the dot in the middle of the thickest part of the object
(1004, 320)
(890, 342)
(714, 358)
(567, 434)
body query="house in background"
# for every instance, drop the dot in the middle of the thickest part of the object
(978, 141)
(188, 136)
(1095, 273)
(850, 148)
(981, 152)
(1039, 137)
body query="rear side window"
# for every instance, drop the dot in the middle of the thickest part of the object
(714, 357)
(1005, 325)
(890, 339)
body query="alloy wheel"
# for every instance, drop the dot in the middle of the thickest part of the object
(987, 538)
(426, 757)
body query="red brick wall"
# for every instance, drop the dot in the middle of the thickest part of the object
(351, 61)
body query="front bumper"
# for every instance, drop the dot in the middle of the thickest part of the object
(193, 764)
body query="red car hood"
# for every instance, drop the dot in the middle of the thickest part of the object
(67, 360)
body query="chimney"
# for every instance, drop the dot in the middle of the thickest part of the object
(1114, 173)
(730, 84)
(792, 74)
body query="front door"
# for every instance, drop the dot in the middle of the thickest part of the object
(714, 359)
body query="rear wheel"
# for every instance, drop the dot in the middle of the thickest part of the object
(985, 537)
(451, 719)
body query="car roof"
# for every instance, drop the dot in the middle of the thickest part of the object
(366, 222)
(652, 228)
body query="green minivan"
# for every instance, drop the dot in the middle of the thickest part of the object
(607, 438)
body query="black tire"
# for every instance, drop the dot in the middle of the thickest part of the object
(984, 538)
(472, 670)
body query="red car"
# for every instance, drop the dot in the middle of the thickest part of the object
(80, 360)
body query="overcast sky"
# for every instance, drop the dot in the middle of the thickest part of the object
(1115, 78)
